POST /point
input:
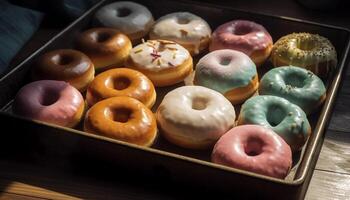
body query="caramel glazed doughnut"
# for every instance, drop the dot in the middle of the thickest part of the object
(106, 47)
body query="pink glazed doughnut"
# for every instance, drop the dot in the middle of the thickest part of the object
(254, 148)
(245, 36)
(54, 102)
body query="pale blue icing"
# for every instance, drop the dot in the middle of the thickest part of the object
(295, 84)
(224, 70)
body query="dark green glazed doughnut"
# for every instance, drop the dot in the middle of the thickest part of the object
(297, 85)
(286, 119)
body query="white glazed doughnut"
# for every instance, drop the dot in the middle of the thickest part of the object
(185, 28)
(130, 18)
(195, 117)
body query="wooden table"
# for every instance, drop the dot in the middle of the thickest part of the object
(331, 178)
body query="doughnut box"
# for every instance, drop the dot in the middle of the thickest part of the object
(163, 159)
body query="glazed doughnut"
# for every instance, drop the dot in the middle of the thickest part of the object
(163, 62)
(245, 36)
(310, 51)
(50, 101)
(67, 65)
(106, 47)
(194, 117)
(184, 28)
(297, 85)
(122, 118)
(130, 18)
(121, 82)
(230, 72)
(254, 148)
(286, 119)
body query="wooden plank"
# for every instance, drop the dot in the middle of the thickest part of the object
(341, 116)
(328, 186)
(9, 196)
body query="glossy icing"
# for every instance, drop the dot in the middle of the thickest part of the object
(304, 50)
(50, 101)
(254, 148)
(241, 35)
(126, 16)
(297, 85)
(156, 55)
(224, 70)
(195, 115)
(286, 119)
(183, 28)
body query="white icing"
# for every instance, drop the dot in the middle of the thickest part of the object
(138, 19)
(177, 116)
(156, 55)
(193, 29)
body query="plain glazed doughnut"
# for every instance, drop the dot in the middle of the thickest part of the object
(245, 36)
(254, 148)
(310, 51)
(286, 119)
(106, 47)
(194, 117)
(67, 65)
(121, 82)
(163, 62)
(184, 28)
(230, 72)
(297, 85)
(122, 118)
(130, 18)
(50, 101)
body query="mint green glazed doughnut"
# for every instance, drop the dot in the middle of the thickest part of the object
(286, 119)
(297, 85)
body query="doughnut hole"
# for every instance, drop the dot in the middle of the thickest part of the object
(307, 45)
(253, 146)
(295, 80)
(121, 115)
(62, 59)
(123, 12)
(225, 61)
(102, 37)
(199, 103)
(183, 20)
(49, 98)
(119, 83)
(242, 30)
(275, 115)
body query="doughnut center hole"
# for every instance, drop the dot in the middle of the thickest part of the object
(102, 37)
(183, 20)
(225, 61)
(295, 80)
(161, 47)
(121, 115)
(121, 83)
(199, 103)
(62, 59)
(123, 12)
(254, 146)
(49, 98)
(242, 30)
(306, 45)
(275, 115)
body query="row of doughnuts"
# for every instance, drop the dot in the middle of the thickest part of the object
(190, 116)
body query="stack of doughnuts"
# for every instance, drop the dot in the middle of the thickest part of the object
(207, 78)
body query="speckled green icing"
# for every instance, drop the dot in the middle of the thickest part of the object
(295, 84)
(224, 70)
(286, 119)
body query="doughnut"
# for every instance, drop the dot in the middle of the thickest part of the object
(286, 119)
(66, 65)
(163, 62)
(310, 51)
(230, 72)
(297, 85)
(51, 101)
(121, 82)
(194, 117)
(184, 28)
(106, 47)
(245, 36)
(122, 118)
(130, 18)
(254, 148)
